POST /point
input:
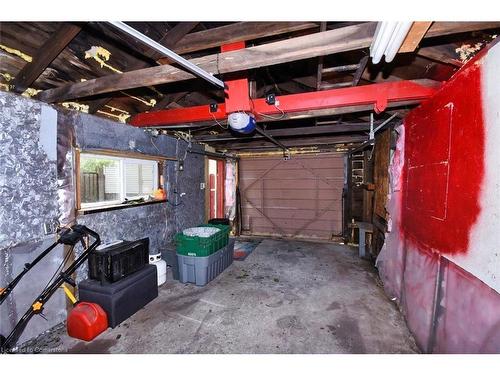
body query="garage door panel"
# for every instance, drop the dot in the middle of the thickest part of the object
(294, 224)
(293, 203)
(290, 194)
(301, 197)
(283, 213)
(297, 174)
(306, 233)
(329, 162)
(271, 184)
(291, 183)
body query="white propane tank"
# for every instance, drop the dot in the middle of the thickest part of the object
(161, 267)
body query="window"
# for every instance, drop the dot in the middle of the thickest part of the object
(112, 180)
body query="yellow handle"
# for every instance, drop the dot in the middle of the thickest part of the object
(70, 295)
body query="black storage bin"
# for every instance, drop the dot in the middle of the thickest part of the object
(111, 263)
(123, 298)
(222, 221)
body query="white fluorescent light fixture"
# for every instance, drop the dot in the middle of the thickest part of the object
(388, 38)
(196, 70)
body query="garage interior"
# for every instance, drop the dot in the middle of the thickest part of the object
(349, 171)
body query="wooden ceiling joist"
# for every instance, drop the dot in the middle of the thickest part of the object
(314, 141)
(240, 31)
(415, 35)
(440, 54)
(290, 132)
(177, 33)
(448, 28)
(169, 40)
(360, 69)
(44, 56)
(313, 45)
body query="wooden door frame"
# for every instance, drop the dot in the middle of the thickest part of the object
(207, 186)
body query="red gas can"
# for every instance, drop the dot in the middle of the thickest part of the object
(86, 321)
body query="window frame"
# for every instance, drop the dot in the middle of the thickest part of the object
(122, 158)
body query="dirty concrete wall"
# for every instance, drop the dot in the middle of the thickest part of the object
(37, 185)
(130, 223)
(188, 209)
(441, 257)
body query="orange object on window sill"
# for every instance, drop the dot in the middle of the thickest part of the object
(160, 194)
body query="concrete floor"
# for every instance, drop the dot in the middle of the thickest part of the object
(286, 297)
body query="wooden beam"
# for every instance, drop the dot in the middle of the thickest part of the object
(173, 36)
(337, 85)
(169, 40)
(317, 141)
(341, 69)
(237, 32)
(292, 87)
(97, 104)
(168, 100)
(301, 131)
(359, 71)
(447, 28)
(304, 47)
(314, 45)
(415, 35)
(44, 56)
(319, 73)
(439, 54)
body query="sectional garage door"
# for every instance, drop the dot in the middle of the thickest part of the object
(299, 197)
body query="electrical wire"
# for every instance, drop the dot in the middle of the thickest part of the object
(175, 204)
(157, 149)
(204, 128)
(272, 117)
(218, 123)
(267, 116)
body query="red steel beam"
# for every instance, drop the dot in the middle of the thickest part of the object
(378, 94)
(236, 93)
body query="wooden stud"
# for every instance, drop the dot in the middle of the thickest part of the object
(359, 71)
(316, 141)
(290, 132)
(447, 28)
(319, 73)
(169, 40)
(314, 45)
(236, 32)
(414, 37)
(439, 54)
(44, 56)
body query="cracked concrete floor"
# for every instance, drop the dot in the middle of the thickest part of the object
(286, 297)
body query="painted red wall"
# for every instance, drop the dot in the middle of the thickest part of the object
(444, 195)
(444, 166)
